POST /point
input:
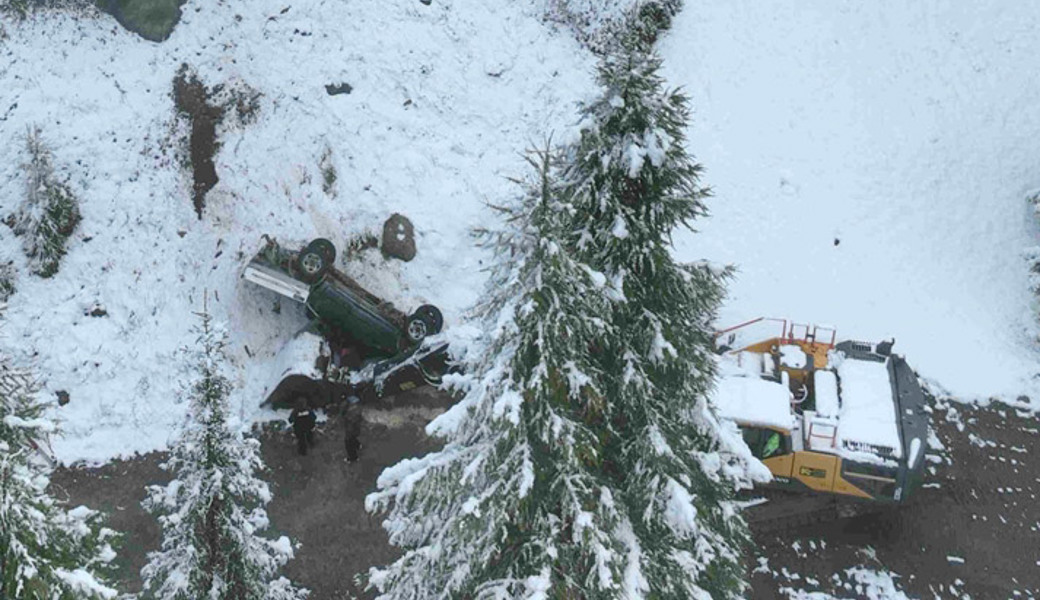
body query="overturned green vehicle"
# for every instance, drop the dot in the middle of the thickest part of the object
(339, 302)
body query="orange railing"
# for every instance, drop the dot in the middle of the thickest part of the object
(789, 332)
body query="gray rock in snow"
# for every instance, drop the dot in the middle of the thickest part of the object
(335, 89)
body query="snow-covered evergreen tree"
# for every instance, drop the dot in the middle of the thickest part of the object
(631, 183)
(212, 512)
(46, 552)
(49, 212)
(518, 504)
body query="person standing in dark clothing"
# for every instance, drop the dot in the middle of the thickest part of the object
(352, 427)
(303, 419)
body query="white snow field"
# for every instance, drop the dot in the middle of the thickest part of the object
(908, 132)
(445, 98)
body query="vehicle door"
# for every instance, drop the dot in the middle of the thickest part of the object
(772, 447)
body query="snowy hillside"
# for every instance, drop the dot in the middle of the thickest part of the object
(444, 99)
(870, 163)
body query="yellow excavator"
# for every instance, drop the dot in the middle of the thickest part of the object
(844, 421)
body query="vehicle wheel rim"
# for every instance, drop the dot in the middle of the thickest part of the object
(417, 330)
(311, 264)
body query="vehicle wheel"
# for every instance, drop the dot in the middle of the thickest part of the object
(418, 327)
(314, 261)
(327, 248)
(433, 316)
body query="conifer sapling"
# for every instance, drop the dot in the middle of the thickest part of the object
(46, 552)
(48, 213)
(212, 512)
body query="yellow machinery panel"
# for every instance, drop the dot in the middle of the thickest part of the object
(815, 470)
(848, 486)
(769, 346)
(817, 351)
(780, 466)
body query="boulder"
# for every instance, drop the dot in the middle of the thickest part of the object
(399, 237)
(335, 89)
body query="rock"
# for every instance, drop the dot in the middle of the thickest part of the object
(63, 397)
(154, 20)
(334, 89)
(399, 238)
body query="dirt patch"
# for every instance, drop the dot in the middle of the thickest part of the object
(981, 508)
(117, 489)
(319, 499)
(192, 99)
(974, 529)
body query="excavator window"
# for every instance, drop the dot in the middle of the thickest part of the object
(766, 443)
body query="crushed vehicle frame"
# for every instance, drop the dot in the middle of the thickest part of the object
(337, 300)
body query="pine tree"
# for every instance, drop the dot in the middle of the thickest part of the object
(213, 510)
(632, 183)
(516, 505)
(49, 212)
(46, 552)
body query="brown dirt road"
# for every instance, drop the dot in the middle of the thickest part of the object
(980, 506)
(972, 531)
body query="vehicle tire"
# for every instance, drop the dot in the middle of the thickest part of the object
(417, 327)
(326, 247)
(433, 316)
(314, 260)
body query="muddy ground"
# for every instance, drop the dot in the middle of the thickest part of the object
(318, 498)
(973, 531)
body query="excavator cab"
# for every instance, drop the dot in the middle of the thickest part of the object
(826, 417)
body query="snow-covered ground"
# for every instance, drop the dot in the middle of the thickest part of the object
(904, 133)
(445, 97)
(870, 162)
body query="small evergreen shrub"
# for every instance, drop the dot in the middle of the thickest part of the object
(599, 24)
(328, 173)
(49, 212)
(360, 242)
(20, 9)
(7, 275)
(1032, 254)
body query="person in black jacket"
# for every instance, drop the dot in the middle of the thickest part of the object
(303, 419)
(352, 428)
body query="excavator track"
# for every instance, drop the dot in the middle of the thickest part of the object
(784, 511)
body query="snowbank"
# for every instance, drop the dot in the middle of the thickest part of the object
(444, 98)
(870, 163)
